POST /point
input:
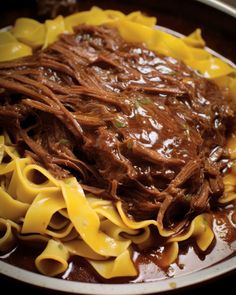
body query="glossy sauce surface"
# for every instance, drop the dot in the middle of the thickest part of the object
(190, 259)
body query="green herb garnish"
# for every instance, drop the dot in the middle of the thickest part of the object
(137, 104)
(188, 197)
(145, 101)
(119, 124)
(172, 73)
(142, 101)
(130, 144)
(60, 246)
(64, 141)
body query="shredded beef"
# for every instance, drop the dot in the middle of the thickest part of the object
(132, 125)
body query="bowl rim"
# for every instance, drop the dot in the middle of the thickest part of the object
(56, 284)
(225, 7)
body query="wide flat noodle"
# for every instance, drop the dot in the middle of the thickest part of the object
(200, 229)
(132, 223)
(195, 39)
(59, 216)
(80, 248)
(87, 223)
(53, 260)
(8, 237)
(41, 211)
(115, 268)
(11, 48)
(10, 208)
(229, 179)
(29, 31)
(134, 27)
(53, 29)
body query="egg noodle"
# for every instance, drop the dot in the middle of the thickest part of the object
(57, 213)
(28, 34)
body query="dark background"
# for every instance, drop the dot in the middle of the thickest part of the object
(184, 16)
(223, 285)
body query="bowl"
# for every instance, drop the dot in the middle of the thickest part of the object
(220, 38)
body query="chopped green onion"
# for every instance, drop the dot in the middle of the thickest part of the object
(130, 144)
(119, 124)
(137, 104)
(64, 141)
(188, 197)
(145, 101)
(142, 101)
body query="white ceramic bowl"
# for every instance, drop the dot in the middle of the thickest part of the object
(118, 289)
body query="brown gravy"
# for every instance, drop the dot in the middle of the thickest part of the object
(190, 258)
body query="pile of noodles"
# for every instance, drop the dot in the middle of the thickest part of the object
(28, 34)
(57, 213)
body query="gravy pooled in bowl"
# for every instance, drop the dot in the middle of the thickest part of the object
(123, 152)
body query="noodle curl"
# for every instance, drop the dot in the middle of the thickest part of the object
(64, 215)
(93, 228)
(134, 27)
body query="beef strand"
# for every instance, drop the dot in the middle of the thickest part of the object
(132, 125)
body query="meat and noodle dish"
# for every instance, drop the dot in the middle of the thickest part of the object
(117, 148)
